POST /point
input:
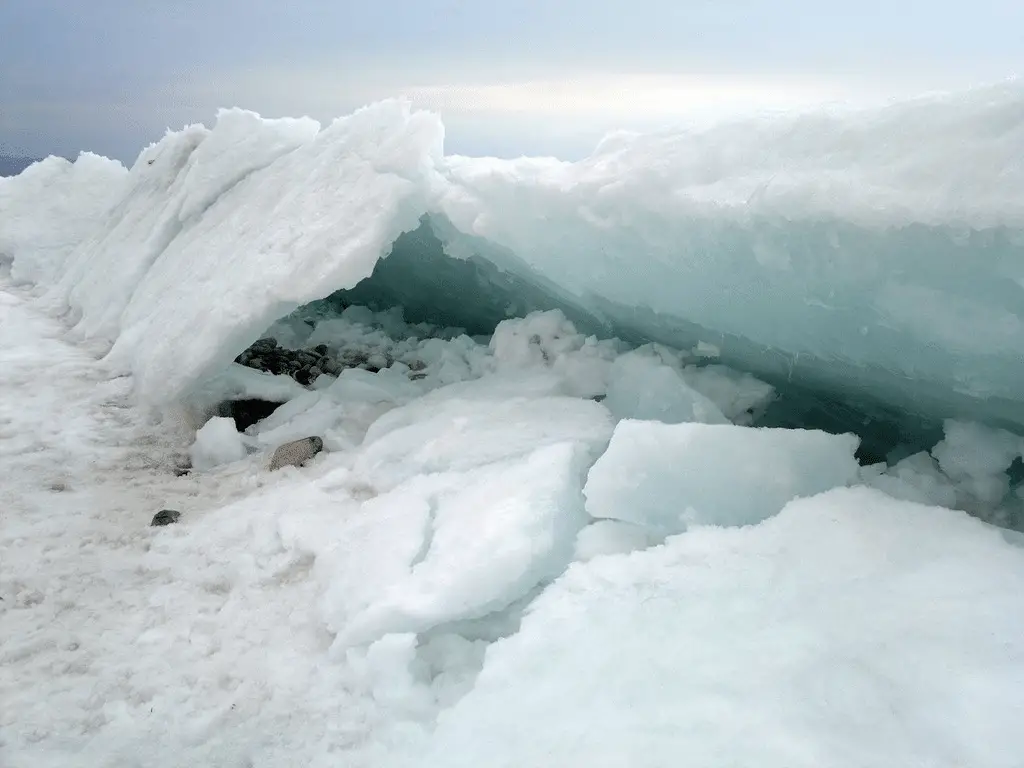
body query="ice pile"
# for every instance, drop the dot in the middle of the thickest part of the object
(547, 528)
(872, 253)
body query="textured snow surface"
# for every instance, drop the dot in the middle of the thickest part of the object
(876, 251)
(431, 590)
(850, 630)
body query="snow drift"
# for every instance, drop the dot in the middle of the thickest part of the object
(876, 254)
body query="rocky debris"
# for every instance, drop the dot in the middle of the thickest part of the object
(182, 464)
(306, 365)
(247, 411)
(295, 453)
(166, 517)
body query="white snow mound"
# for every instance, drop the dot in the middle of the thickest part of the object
(849, 630)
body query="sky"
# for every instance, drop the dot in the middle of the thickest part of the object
(509, 77)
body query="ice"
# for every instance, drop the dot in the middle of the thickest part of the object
(915, 478)
(870, 253)
(51, 208)
(546, 528)
(445, 432)
(977, 457)
(217, 442)
(668, 477)
(348, 194)
(849, 630)
(462, 545)
(641, 387)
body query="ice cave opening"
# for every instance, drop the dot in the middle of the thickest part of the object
(421, 302)
(472, 295)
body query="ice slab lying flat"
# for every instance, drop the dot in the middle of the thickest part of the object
(473, 502)
(666, 477)
(876, 252)
(850, 630)
(460, 545)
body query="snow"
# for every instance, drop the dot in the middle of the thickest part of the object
(874, 252)
(217, 442)
(51, 208)
(546, 527)
(668, 477)
(849, 630)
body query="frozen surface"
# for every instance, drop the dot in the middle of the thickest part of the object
(667, 477)
(543, 530)
(420, 575)
(850, 630)
(872, 252)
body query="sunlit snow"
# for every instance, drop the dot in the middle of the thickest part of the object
(704, 450)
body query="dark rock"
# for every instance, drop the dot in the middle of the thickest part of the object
(320, 349)
(166, 517)
(303, 377)
(353, 358)
(182, 464)
(268, 344)
(255, 362)
(295, 453)
(333, 367)
(248, 411)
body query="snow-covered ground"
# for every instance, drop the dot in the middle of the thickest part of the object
(341, 614)
(537, 544)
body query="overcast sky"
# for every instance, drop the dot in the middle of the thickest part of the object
(509, 76)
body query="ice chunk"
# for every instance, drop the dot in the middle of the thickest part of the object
(668, 477)
(739, 396)
(976, 458)
(217, 442)
(455, 546)
(435, 434)
(314, 221)
(550, 340)
(787, 644)
(535, 340)
(915, 478)
(642, 387)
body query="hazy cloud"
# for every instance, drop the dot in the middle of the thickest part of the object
(112, 75)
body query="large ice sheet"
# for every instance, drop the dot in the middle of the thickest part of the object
(666, 477)
(877, 252)
(850, 630)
